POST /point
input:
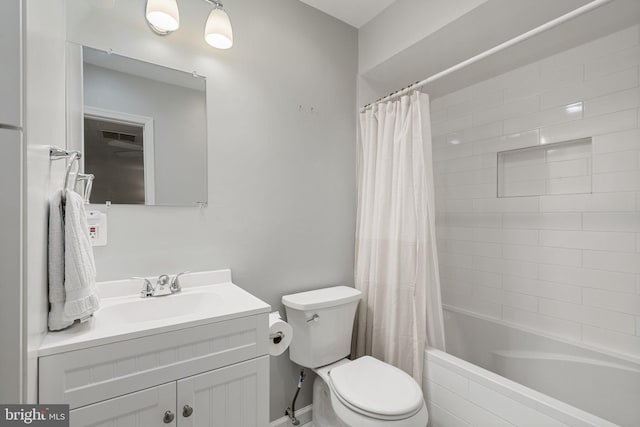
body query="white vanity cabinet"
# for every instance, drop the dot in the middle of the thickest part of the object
(214, 374)
(231, 396)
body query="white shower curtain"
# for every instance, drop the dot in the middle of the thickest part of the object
(396, 258)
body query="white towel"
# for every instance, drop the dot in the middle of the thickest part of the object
(57, 320)
(79, 266)
(72, 271)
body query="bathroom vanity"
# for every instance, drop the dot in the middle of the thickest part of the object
(195, 358)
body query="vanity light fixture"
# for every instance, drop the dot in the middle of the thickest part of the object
(217, 31)
(162, 16)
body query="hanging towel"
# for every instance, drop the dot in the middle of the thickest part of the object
(57, 319)
(79, 266)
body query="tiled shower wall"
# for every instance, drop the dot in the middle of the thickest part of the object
(566, 264)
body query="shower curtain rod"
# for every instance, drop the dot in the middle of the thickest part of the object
(524, 36)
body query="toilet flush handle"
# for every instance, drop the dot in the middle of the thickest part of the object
(313, 318)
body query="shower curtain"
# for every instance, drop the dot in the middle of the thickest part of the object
(396, 265)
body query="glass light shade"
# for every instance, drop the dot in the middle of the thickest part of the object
(218, 31)
(163, 15)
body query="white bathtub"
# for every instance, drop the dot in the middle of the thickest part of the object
(497, 374)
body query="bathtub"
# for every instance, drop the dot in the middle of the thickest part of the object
(498, 374)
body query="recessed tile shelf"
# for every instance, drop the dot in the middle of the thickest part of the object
(558, 168)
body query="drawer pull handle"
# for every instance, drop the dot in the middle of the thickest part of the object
(187, 411)
(168, 417)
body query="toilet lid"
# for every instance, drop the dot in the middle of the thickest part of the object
(376, 387)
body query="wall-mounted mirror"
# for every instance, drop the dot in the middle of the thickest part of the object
(144, 131)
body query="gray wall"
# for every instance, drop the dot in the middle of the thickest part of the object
(179, 128)
(282, 199)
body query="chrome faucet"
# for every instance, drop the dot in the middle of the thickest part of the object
(164, 286)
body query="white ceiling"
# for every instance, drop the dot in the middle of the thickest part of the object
(353, 12)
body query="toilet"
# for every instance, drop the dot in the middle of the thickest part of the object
(365, 392)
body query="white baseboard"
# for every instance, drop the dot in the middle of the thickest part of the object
(303, 415)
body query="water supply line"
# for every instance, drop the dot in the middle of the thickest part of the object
(291, 410)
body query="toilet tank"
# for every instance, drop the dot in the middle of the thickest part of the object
(322, 322)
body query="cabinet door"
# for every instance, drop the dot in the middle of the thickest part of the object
(146, 408)
(10, 70)
(237, 396)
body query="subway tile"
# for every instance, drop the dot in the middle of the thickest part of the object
(615, 301)
(618, 181)
(478, 176)
(605, 241)
(472, 277)
(587, 277)
(452, 124)
(551, 221)
(513, 108)
(461, 96)
(456, 233)
(487, 93)
(479, 132)
(601, 202)
(616, 161)
(520, 204)
(463, 408)
(509, 409)
(610, 103)
(509, 267)
(446, 378)
(598, 125)
(486, 220)
(470, 303)
(617, 141)
(571, 185)
(483, 161)
(540, 322)
(612, 221)
(538, 288)
(612, 62)
(607, 45)
(569, 168)
(507, 142)
(455, 260)
(440, 417)
(511, 187)
(611, 341)
(578, 90)
(612, 261)
(588, 315)
(520, 237)
(544, 255)
(504, 297)
(551, 116)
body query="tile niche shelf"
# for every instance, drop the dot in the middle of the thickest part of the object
(546, 169)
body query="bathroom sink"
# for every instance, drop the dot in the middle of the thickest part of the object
(139, 310)
(206, 297)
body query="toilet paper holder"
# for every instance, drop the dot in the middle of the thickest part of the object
(277, 337)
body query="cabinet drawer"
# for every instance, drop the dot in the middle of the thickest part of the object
(142, 409)
(90, 375)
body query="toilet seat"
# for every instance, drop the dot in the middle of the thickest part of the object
(376, 389)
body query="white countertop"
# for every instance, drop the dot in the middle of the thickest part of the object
(217, 299)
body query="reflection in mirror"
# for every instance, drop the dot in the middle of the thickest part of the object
(144, 132)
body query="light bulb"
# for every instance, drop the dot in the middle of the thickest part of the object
(218, 32)
(163, 15)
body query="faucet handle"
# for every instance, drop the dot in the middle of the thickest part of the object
(147, 290)
(175, 282)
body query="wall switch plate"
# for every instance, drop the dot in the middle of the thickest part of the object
(97, 222)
